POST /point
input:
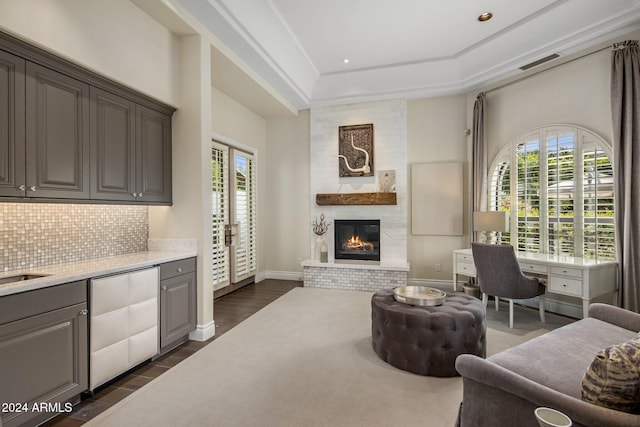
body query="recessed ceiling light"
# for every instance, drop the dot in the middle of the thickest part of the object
(345, 60)
(485, 16)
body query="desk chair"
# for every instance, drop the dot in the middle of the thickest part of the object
(499, 275)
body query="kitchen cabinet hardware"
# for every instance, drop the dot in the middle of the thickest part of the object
(83, 312)
(22, 187)
(164, 287)
(179, 269)
(32, 188)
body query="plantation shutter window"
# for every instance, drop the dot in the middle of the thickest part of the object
(557, 184)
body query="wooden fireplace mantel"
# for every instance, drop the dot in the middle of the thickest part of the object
(356, 199)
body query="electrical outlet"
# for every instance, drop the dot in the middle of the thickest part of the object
(438, 267)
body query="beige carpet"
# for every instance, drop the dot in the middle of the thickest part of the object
(304, 360)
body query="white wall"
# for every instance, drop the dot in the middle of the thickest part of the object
(119, 41)
(287, 212)
(189, 217)
(240, 125)
(435, 134)
(576, 93)
(112, 38)
(389, 120)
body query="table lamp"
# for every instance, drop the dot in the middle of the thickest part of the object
(497, 221)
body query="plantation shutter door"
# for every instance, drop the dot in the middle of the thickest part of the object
(220, 210)
(244, 254)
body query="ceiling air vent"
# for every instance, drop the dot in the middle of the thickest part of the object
(539, 61)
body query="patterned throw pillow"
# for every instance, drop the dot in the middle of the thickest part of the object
(613, 379)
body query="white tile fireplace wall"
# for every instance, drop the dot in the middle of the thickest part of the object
(389, 120)
(35, 234)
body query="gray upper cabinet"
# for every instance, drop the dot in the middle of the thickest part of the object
(112, 147)
(130, 150)
(67, 133)
(57, 134)
(153, 154)
(12, 166)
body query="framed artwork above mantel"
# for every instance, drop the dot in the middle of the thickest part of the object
(355, 150)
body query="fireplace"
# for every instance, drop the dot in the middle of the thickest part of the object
(357, 239)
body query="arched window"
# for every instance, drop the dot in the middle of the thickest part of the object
(556, 182)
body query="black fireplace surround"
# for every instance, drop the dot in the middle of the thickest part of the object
(357, 239)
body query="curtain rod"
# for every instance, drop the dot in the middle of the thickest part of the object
(502, 86)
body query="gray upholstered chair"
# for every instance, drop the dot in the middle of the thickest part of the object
(499, 275)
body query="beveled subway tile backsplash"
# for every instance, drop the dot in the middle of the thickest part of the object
(34, 235)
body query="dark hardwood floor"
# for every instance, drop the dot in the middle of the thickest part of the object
(228, 311)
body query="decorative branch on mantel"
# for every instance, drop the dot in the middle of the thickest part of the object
(356, 199)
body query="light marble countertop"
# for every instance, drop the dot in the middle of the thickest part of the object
(81, 270)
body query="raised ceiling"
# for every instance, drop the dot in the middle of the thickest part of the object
(402, 48)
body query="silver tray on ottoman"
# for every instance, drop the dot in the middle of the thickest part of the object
(419, 295)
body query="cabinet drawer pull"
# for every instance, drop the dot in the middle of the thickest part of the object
(22, 187)
(179, 270)
(164, 287)
(32, 188)
(83, 312)
(133, 194)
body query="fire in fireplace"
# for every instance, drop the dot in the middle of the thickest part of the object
(357, 239)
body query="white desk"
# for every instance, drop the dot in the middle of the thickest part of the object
(571, 276)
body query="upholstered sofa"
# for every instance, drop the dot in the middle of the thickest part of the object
(506, 388)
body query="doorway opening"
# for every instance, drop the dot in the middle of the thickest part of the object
(233, 186)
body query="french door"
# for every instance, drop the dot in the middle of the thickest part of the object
(233, 185)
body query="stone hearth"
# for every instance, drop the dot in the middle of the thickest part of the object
(354, 277)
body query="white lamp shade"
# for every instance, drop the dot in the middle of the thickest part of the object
(491, 221)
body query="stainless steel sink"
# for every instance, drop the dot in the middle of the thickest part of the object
(20, 278)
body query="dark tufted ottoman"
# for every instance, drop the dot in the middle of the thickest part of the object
(427, 339)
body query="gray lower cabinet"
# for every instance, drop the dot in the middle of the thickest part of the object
(178, 306)
(43, 352)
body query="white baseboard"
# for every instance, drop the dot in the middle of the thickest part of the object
(259, 277)
(436, 283)
(203, 332)
(285, 275)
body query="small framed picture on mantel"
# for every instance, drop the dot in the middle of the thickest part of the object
(355, 150)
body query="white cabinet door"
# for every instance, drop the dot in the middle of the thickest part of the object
(123, 323)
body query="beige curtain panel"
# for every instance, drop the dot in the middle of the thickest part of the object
(625, 112)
